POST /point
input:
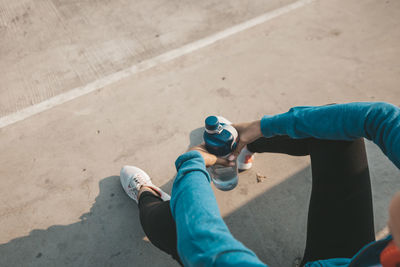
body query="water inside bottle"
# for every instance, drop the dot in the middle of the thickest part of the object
(224, 178)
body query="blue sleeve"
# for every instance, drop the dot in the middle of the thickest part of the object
(379, 122)
(203, 237)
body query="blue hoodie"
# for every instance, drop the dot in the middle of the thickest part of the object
(203, 237)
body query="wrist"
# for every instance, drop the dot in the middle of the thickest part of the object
(257, 129)
(190, 156)
(266, 126)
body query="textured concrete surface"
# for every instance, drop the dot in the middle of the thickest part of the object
(51, 46)
(61, 202)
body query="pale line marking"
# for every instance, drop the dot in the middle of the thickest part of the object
(145, 65)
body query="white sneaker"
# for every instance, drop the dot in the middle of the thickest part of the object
(133, 178)
(245, 159)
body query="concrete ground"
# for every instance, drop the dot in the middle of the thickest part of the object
(61, 201)
(77, 42)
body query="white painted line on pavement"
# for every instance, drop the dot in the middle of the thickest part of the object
(147, 64)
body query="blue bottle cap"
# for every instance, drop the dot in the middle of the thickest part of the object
(212, 123)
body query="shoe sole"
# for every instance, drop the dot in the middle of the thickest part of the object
(244, 166)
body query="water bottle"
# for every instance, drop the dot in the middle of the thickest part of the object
(220, 139)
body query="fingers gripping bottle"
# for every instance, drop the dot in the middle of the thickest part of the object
(221, 140)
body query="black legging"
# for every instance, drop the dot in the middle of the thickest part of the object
(158, 224)
(340, 215)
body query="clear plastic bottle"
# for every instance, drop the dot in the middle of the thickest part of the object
(224, 178)
(221, 140)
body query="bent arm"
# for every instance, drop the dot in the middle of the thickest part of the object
(379, 122)
(203, 237)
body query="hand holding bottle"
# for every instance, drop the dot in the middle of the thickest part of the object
(221, 140)
(248, 132)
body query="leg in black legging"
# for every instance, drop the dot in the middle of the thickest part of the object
(158, 224)
(340, 216)
(155, 215)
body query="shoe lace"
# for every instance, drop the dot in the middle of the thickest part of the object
(138, 179)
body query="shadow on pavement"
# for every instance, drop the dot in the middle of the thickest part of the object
(272, 224)
(110, 234)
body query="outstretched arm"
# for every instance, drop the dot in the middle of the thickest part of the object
(377, 121)
(203, 237)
